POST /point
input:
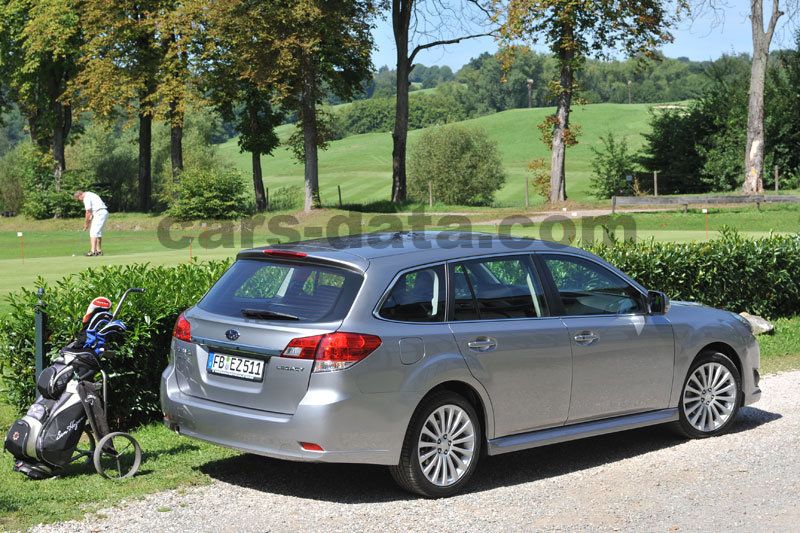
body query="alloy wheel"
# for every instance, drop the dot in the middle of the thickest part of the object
(709, 397)
(446, 445)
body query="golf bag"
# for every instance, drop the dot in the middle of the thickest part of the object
(45, 439)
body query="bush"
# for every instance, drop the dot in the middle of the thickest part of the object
(13, 167)
(28, 185)
(463, 164)
(210, 194)
(611, 164)
(286, 198)
(45, 202)
(136, 365)
(735, 273)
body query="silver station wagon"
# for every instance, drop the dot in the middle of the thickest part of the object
(424, 351)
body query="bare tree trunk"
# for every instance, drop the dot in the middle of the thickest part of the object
(401, 19)
(258, 183)
(60, 132)
(309, 123)
(558, 187)
(175, 140)
(145, 160)
(176, 150)
(754, 151)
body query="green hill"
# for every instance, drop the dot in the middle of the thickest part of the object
(362, 164)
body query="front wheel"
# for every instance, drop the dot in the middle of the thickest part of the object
(441, 447)
(711, 396)
(117, 456)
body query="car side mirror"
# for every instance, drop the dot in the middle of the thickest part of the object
(657, 302)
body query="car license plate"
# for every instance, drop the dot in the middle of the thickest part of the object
(235, 366)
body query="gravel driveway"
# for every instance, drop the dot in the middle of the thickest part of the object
(643, 480)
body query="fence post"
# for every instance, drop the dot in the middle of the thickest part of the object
(777, 178)
(339, 188)
(527, 204)
(430, 194)
(266, 197)
(40, 321)
(655, 182)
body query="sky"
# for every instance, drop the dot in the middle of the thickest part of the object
(707, 37)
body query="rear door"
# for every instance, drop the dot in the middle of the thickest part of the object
(512, 345)
(247, 319)
(623, 356)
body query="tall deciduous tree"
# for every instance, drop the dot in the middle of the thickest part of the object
(237, 98)
(762, 38)
(574, 30)
(120, 66)
(39, 47)
(178, 29)
(418, 25)
(297, 47)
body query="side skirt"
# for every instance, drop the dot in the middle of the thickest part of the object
(523, 441)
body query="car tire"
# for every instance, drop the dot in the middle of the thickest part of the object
(433, 463)
(710, 397)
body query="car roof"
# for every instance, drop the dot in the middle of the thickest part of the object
(410, 247)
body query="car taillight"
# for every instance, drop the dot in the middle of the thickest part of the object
(332, 351)
(182, 330)
(302, 347)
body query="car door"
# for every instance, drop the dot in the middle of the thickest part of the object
(512, 345)
(623, 357)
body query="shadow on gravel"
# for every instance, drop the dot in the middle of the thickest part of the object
(347, 483)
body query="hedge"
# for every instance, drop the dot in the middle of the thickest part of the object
(136, 366)
(761, 276)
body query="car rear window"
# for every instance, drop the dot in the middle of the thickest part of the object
(286, 291)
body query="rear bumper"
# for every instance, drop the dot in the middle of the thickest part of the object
(352, 427)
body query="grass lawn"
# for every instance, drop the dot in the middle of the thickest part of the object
(362, 164)
(169, 462)
(781, 351)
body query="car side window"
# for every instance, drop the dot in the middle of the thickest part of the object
(417, 296)
(588, 288)
(496, 288)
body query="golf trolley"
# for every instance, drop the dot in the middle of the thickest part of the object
(71, 404)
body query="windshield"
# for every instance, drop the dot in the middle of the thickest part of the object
(283, 291)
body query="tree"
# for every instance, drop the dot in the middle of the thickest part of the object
(173, 90)
(39, 49)
(427, 18)
(762, 38)
(119, 70)
(574, 30)
(301, 49)
(239, 101)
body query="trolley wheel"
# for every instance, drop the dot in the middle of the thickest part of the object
(117, 456)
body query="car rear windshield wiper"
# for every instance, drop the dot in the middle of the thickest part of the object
(263, 313)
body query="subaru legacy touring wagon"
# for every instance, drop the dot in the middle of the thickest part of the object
(425, 351)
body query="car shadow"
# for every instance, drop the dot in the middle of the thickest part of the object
(353, 483)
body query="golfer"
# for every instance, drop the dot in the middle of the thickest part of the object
(96, 215)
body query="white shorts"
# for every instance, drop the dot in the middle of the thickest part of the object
(98, 221)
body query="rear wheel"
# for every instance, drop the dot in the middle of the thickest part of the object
(711, 396)
(441, 447)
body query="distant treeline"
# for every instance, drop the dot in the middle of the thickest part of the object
(485, 85)
(665, 80)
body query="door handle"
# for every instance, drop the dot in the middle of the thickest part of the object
(586, 338)
(482, 344)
